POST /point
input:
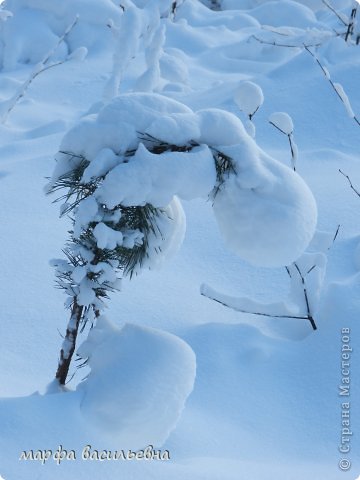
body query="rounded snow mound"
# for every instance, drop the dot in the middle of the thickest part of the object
(139, 381)
(285, 13)
(266, 212)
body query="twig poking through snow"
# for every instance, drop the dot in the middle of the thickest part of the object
(338, 89)
(238, 305)
(336, 235)
(283, 122)
(206, 294)
(309, 314)
(342, 20)
(351, 25)
(286, 45)
(350, 183)
(39, 68)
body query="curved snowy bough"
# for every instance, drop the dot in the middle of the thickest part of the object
(123, 171)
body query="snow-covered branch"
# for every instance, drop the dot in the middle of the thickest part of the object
(249, 98)
(286, 45)
(41, 67)
(342, 18)
(306, 280)
(284, 124)
(250, 307)
(338, 89)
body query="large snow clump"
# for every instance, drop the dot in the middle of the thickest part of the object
(139, 381)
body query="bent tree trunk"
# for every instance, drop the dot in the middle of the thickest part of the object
(69, 343)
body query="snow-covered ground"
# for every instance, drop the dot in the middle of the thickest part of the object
(265, 401)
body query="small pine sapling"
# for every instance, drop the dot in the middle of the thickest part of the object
(104, 244)
(119, 175)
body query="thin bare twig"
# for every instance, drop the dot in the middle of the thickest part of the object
(268, 28)
(262, 314)
(350, 183)
(351, 25)
(327, 76)
(309, 315)
(311, 269)
(336, 13)
(336, 235)
(278, 128)
(291, 143)
(275, 44)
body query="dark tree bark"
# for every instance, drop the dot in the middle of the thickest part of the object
(69, 344)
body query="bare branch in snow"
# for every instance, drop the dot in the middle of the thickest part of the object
(351, 25)
(336, 86)
(286, 45)
(336, 234)
(212, 297)
(234, 303)
(350, 183)
(38, 69)
(277, 120)
(335, 12)
(309, 314)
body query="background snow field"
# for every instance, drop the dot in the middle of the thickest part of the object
(213, 357)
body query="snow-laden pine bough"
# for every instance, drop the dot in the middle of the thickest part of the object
(121, 173)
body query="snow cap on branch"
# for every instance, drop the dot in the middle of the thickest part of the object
(282, 121)
(249, 98)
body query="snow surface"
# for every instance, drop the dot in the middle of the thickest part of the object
(265, 403)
